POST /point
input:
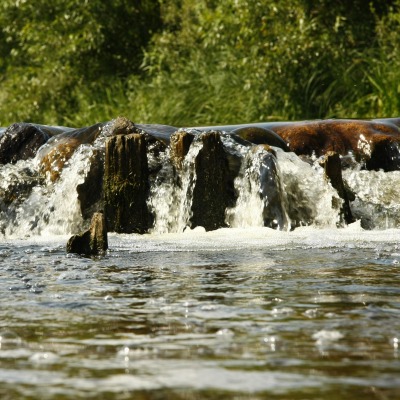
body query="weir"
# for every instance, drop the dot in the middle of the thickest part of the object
(161, 179)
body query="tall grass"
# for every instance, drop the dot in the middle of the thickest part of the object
(218, 69)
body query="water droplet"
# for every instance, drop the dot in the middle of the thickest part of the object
(44, 358)
(108, 298)
(324, 336)
(225, 333)
(271, 342)
(208, 307)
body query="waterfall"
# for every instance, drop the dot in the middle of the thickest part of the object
(46, 208)
(261, 199)
(261, 186)
(377, 195)
(311, 198)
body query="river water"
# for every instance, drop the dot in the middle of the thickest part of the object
(234, 313)
(308, 310)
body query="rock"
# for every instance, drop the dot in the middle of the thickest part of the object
(91, 242)
(333, 171)
(373, 142)
(126, 184)
(21, 141)
(122, 126)
(214, 190)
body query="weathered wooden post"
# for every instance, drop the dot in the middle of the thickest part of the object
(126, 184)
(180, 143)
(91, 242)
(333, 172)
(213, 191)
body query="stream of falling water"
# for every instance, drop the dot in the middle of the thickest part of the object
(171, 194)
(50, 208)
(277, 190)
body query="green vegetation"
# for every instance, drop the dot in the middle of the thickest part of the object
(181, 62)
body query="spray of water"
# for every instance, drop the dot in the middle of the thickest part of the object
(377, 196)
(311, 198)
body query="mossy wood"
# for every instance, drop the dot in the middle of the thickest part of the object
(126, 184)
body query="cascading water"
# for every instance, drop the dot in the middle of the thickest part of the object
(273, 188)
(249, 204)
(377, 195)
(171, 193)
(261, 200)
(310, 197)
(46, 208)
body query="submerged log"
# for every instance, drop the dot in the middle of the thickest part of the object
(126, 184)
(333, 171)
(213, 191)
(93, 241)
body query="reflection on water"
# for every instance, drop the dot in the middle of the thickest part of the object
(216, 315)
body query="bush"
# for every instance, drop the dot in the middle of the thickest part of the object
(189, 63)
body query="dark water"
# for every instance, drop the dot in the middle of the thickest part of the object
(303, 315)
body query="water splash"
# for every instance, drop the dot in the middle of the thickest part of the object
(261, 201)
(311, 198)
(376, 197)
(49, 208)
(249, 205)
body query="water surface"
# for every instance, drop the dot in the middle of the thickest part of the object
(234, 313)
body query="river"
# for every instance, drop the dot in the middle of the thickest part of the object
(307, 310)
(233, 313)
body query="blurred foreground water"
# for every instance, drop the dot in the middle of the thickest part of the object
(234, 313)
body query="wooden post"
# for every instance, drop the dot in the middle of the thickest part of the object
(126, 184)
(91, 242)
(214, 190)
(180, 143)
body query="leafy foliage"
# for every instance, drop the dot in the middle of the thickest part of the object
(191, 63)
(51, 52)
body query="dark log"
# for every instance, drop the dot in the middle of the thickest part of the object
(180, 144)
(91, 242)
(214, 190)
(90, 191)
(126, 184)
